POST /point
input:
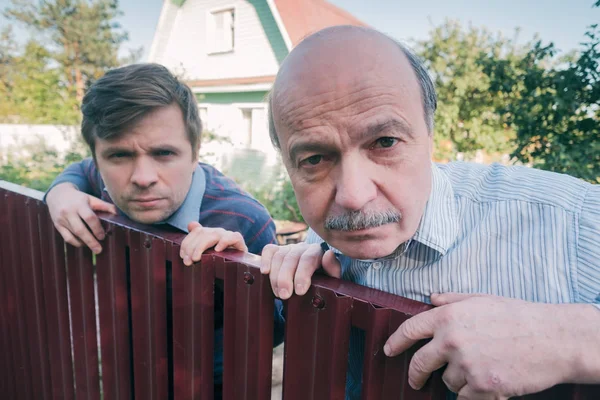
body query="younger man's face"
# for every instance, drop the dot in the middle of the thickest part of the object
(148, 170)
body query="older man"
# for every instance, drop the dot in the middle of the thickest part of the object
(142, 126)
(352, 113)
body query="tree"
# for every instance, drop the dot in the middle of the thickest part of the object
(554, 106)
(83, 36)
(32, 91)
(466, 120)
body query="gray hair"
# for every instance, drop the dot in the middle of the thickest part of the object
(428, 93)
(357, 220)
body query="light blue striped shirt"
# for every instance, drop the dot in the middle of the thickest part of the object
(509, 231)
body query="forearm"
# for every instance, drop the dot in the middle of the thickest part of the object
(582, 338)
(77, 175)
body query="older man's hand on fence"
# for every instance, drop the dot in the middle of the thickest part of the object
(202, 238)
(74, 215)
(291, 267)
(496, 347)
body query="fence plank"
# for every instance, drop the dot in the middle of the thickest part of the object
(56, 309)
(80, 273)
(317, 334)
(148, 308)
(113, 308)
(193, 327)
(17, 293)
(248, 332)
(7, 308)
(31, 275)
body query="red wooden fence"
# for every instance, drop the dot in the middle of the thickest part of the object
(157, 343)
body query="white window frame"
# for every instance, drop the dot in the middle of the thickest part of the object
(250, 106)
(210, 30)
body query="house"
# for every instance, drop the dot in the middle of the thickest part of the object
(229, 52)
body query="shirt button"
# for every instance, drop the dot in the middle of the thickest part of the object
(377, 265)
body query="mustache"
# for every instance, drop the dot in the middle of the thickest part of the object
(357, 220)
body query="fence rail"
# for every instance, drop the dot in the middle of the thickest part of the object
(138, 324)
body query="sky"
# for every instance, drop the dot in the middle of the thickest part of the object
(561, 21)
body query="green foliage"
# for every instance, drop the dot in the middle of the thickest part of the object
(31, 91)
(279, 198)
(36, 164)
(554, 106)
(76, 42)
(466, 120)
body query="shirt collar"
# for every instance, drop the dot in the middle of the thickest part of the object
(438, 228)
(190, 208)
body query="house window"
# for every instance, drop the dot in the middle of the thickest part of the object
(221, 30)
(247, 125)
(203, 114)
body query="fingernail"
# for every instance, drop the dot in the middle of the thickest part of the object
(387, 349)
(300, 288)
(186, 260)
(284, 294)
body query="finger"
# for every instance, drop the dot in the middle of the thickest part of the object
(266, 257)
(68, 237)
(276, 262)
(233, 240)
(426, 360)
(309, 262)
(203, 242)
(442, 299)
(287, 271)
(454, 378)
(186, 249)
(331, 265)
(421, 326)
(92, 221)
(100, 205)
(193, 225)
(81, 232)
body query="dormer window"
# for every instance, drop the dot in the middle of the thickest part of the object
(221, 30)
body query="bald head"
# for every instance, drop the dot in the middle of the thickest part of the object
(345, 54)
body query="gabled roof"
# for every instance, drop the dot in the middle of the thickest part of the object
(301, 18)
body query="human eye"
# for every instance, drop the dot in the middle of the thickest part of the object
(164, 153)
(311, 161)
(385, 142)
(119, 155)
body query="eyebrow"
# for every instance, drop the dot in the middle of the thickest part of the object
(117, 149)
(306, 147)
(397, 125)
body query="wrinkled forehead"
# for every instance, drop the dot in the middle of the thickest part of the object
(345, 69)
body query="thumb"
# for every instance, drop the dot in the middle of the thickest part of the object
(193, 225)
(100, 205)
(331, 265)
(442, 299)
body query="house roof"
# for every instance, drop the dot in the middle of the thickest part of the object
(304, 17)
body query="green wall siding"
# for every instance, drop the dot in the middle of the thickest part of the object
(271, 29)
(228, 98)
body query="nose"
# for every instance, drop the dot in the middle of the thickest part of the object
(355, 186)
(144, 173)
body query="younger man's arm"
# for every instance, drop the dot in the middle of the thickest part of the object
(72, 203)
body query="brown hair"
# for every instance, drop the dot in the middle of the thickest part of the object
(123, 96)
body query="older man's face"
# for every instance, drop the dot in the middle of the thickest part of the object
(354, 140)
